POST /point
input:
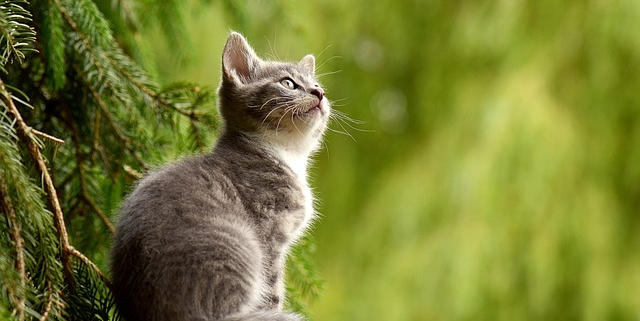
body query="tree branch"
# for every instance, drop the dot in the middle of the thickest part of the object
(45, 135)
(193, 115)
(16, 236)
(79, 255)
(47, 309)
(67, 249)
(83, 182)
(96, 135)
(91, 49)
(52, 196)
(123, 138)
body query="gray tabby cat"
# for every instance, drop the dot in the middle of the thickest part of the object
(206, 238)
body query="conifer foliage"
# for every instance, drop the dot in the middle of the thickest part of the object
(79, 121)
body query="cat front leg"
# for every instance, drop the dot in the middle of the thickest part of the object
(275, 294)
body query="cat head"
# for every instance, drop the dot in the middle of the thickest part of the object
(279, 101)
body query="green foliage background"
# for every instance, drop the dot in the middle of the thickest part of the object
(497, 176)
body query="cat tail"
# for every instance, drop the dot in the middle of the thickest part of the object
(271, 315)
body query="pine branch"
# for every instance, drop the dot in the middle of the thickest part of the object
(83, 181)
(10, 212)
(93, 44)
(95, 143)
(123, 66)
(84, 89)
(104, 62)
(303, 280)
(103, 107)
(84, 18)
(96, 39)
(53, 41)
(47, 309)
(45, 135)
(16, 35)
(185, 98)
(104, 67)
(127, 14)
(93, 266)
(23, 132)
(52, 196)
(39, 241)
(94, 300)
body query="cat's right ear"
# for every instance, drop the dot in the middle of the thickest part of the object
(239, 61)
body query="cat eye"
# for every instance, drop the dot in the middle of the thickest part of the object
(288, 83)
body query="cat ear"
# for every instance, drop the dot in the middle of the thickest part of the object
(308, 63)
(239, 59)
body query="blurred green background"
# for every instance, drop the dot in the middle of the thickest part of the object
(497, 172)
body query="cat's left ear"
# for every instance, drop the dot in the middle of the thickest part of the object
(238, 59)
(308, 63)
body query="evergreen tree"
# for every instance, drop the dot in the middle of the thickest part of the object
(80, 120)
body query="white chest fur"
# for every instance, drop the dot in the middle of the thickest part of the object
(298, 164)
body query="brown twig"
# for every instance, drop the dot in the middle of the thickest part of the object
(47, 309)
(83, 181)
(132, 172)
(16, 236)
(47, 136)
(52, 198)
(96, 135)
(96, 269)
(98, 211)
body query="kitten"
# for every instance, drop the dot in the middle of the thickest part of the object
(207, 238)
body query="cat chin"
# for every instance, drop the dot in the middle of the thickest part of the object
(311, 121)
(322, 108)
(303, 127)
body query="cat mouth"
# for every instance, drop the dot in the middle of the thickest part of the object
(317, 108)
(313, 109)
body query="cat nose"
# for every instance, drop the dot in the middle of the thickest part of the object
(318, 92)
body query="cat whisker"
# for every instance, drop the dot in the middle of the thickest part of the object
(328, 73)
(273, 53)
(339, 100)
(294, 123)
(338, 115)
(286, 110)
(266, 102)
(325, 146)
(338, 103)
(269, 114)
(343, 131)
(342, 121)
(345, 122)
(326, 61)
(323, 51)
